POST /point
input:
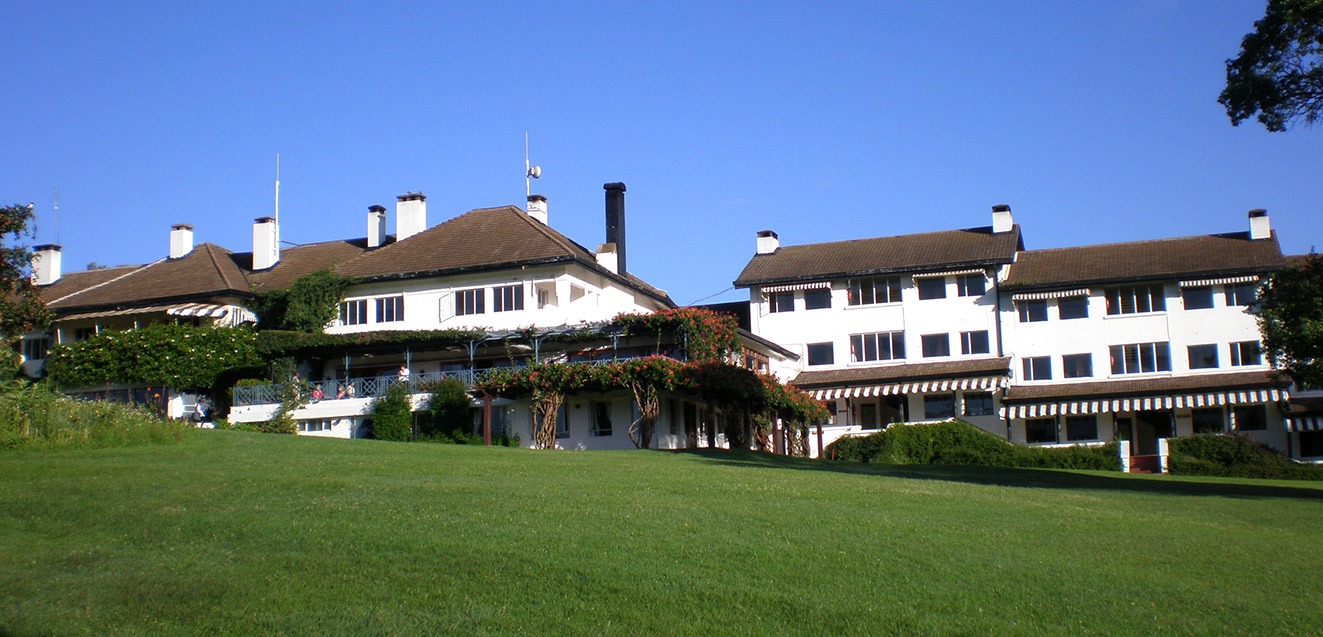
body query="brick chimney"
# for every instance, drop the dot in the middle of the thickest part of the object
(615, 221)
(1259, 226)
(45, 264)
(376, 226)
(410, 215)
(266, 248)
(768, 242)
(181, 240)
(537, 208)
(1001, 219)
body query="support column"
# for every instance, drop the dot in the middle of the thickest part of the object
(487, 421)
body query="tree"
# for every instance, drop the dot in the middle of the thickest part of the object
(1279, 72)
(21, 308)
(392, 414)
(1290, 315)
(449, 410)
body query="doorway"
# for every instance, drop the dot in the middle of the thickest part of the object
(1148, 428)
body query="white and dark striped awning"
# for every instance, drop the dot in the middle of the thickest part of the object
(1143, 403)
(1304, 423)
(816, 285)
(1059, 294)
(201, 310)
(911, 387)
(926, 275)
(1249, 278)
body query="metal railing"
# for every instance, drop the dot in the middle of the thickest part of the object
(370, 387)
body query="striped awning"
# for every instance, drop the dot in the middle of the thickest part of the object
(1304, 423)
(202, 310)
(925, 275)
(1143, 403)
(1249, 278)
(816, 285)
(1059, 294)
(911, 387)
(107, 313)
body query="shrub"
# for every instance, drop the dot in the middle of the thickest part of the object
(449, 410)
(35, 415)
(392, 414)
(1234, 456)
(956, 442)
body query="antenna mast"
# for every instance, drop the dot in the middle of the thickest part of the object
(56, 197)
(277, 215)
(530, 172)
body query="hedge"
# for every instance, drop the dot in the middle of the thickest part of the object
(1234, 456)
(957, 442)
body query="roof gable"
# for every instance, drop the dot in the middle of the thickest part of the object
(208, 270)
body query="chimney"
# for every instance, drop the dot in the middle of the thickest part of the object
(1001, 219)
(608, 258)
(1259, 226)
(376, 231)
(537, 208)
(410, 215)
(45, 264)
(181, 240)
(615, 220)
(768, 242)
(266, 249)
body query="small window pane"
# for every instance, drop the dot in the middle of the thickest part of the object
(781, 302)
(939, 407)
(820, 354)
(1032, 311)
(1077, 365)
(936, 345)
(1250, 417)
(1040, 430)
(1197, 298)
(1073, 308)
(1208, 420)
(1081, 428)
(974, 342)
(931, 287)
(1203, 356)
(817, 299)
(971, 285)
(978, 404)
(1038, 368)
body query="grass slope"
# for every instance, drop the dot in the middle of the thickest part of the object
(232, 532)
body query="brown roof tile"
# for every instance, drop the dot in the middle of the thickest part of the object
(297, 261)
(1307, 406)
(209, 270)
(1185, 257)
(1145, 386)
(973, 247)
(902, 373)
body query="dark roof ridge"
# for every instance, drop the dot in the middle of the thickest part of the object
(1114, 244)
(977, 229)
(131, 272)
(211, 249)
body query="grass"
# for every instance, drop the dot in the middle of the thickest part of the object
(33, 416)
(240, 533)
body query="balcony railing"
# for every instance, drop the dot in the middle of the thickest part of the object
(343, 390)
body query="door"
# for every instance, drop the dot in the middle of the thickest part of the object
(1149, 427)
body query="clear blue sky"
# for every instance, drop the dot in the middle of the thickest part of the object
(1095, 121)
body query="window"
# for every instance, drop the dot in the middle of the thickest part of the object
(601, 419)
(1081, 428)
(673, 416)
(974, 342)
(874, 291)
(1203, 356)
(34, 349)
(883, 346)
(1040, 430)
(931, 287)
(1038, 368)
(84, 333)
(1311, 444)
(1032, 311)
(562, 422)
(971, 285)
(1241, 294)
(978, 404)
(868, 416)
(1076, 307)
(470, 302)
(1197, 298)
(817, 299)
(306, 426)
(1136, 300)
(508, 298)
(939, 406)
(1246, 353)
(1077, 365)
(1209, 420)
(781, 302)
(1140, 358)
(390, 309)
(353, 312)
(936, 345)
(820, 354)
(1250, 417)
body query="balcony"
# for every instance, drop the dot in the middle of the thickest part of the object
(344, 390)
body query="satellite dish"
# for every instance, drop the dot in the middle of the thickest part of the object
(535, 172)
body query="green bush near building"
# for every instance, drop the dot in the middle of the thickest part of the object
(955, 442)
(1236, 456)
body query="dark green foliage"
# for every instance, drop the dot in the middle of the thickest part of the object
(449, 409)
(21, 308)
(275, 343)
(307, 305)
(35, 416)
(959, 443)
(186, 358)
(392, 414)
(1290, 315)
(1279, 72)
(1234, 456)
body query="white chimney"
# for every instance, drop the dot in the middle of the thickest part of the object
(537, 208)
(181, 240)
(607, 257)
(45, 264)
(1259, 226)
(266, 249)
(410, 215)
(1001, 219)
(768, 242)
(376, 229)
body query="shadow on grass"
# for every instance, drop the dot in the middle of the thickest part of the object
(1006, 477)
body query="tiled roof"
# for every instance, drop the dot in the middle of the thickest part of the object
(1297, 260)
(1307, 406)
(297, 261)
(209, 270)
(1162, 259)
(973, 247)
(902, 372)
(1146, 386)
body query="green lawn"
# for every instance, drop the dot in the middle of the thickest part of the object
(238, 533)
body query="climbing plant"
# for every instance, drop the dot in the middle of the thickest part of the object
(307, 305)
(705, 335)
(177, 356)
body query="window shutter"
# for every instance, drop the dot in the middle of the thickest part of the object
(446, 307)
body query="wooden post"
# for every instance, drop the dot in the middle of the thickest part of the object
(819, 440)
(777, 437)
(487, 421)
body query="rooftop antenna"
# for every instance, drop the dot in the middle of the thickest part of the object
(530, 172)
(277, 215)
(55, 195)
